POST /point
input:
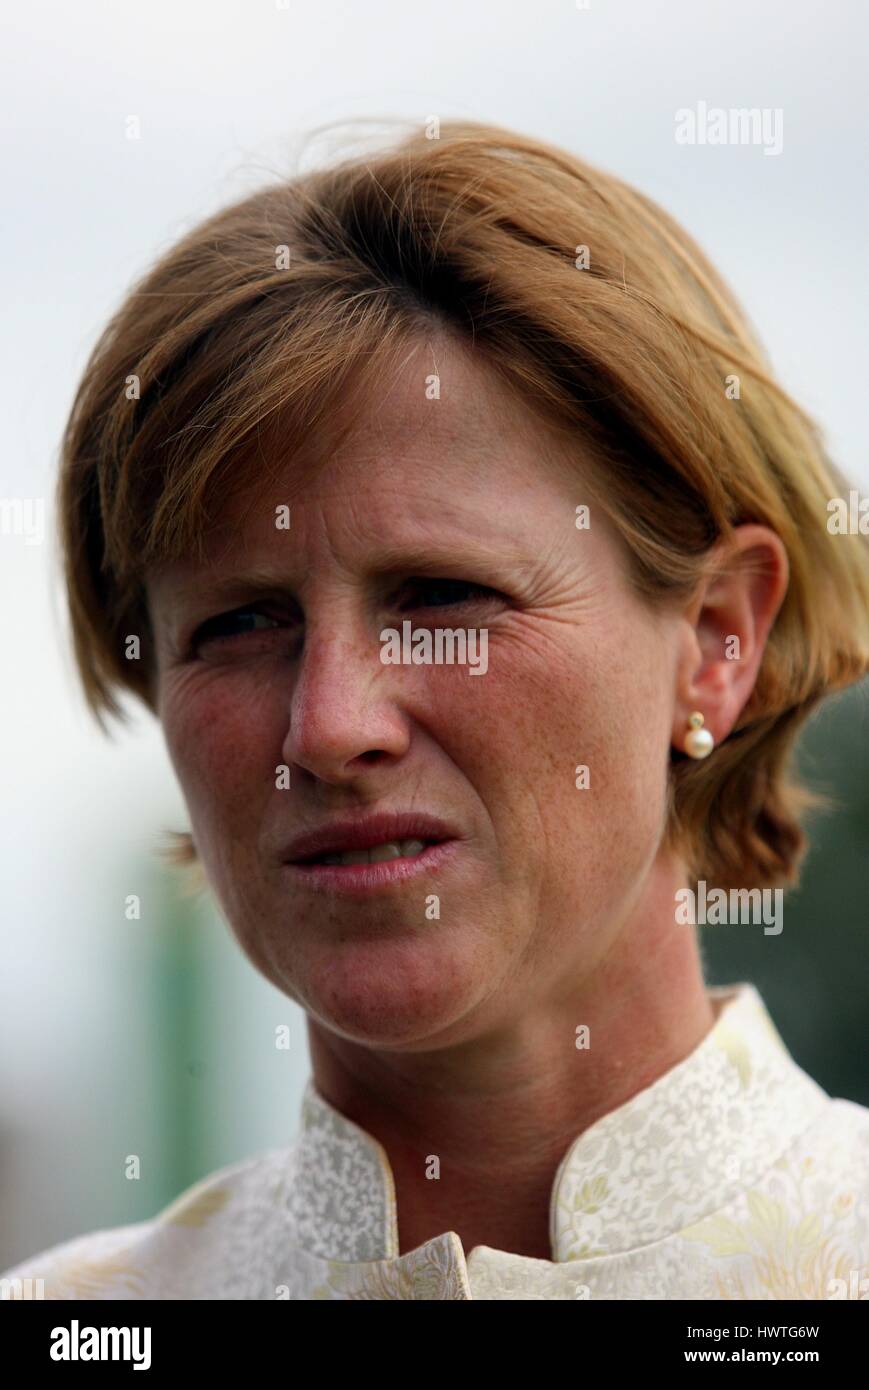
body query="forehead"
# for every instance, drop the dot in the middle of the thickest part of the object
(442, 439)
(440, 461)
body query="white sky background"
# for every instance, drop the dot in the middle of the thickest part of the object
(224, 91)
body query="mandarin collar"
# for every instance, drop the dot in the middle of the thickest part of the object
(671, 1155)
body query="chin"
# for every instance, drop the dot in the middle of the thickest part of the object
(407, 994)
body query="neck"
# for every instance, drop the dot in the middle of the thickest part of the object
(500, 1112)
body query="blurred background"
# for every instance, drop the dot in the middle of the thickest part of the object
(155, 1036)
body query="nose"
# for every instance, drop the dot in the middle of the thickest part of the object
(344, 717)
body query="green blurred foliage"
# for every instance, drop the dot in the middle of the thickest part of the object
(814, 976)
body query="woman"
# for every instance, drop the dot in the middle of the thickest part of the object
(442, 507)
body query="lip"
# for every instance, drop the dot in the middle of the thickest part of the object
(362, 879)
(362, 833)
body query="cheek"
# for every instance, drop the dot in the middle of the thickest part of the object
(224, 738)
(542, 709)
(594, 699)
(622, 733)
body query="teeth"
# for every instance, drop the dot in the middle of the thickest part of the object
(411, 848)
(393, 849)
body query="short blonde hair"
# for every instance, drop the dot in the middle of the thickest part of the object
(279, 306)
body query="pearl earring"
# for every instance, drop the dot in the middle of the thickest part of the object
(698, 741)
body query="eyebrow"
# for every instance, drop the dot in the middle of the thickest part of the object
(390, 561)
(393, 559)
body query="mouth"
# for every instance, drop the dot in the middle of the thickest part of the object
(363, 856)
(382, 853)
(361, 873)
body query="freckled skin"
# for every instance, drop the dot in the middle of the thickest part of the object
(457, 1036)
(578, 672)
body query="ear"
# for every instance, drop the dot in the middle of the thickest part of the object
(726, 626)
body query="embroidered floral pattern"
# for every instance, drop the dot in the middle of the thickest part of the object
(689, 1142)
(732, 1177)
(342, 1200)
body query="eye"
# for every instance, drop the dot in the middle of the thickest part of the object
(445, 593)
(239, 622)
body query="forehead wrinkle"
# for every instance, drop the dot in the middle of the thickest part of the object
(389, 542)
(424, 462)
(426, 525)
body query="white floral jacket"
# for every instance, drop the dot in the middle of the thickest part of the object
(733, 1176)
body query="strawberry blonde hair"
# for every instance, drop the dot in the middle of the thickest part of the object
(266, 316)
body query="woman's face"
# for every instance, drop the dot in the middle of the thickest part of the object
(541, 874)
